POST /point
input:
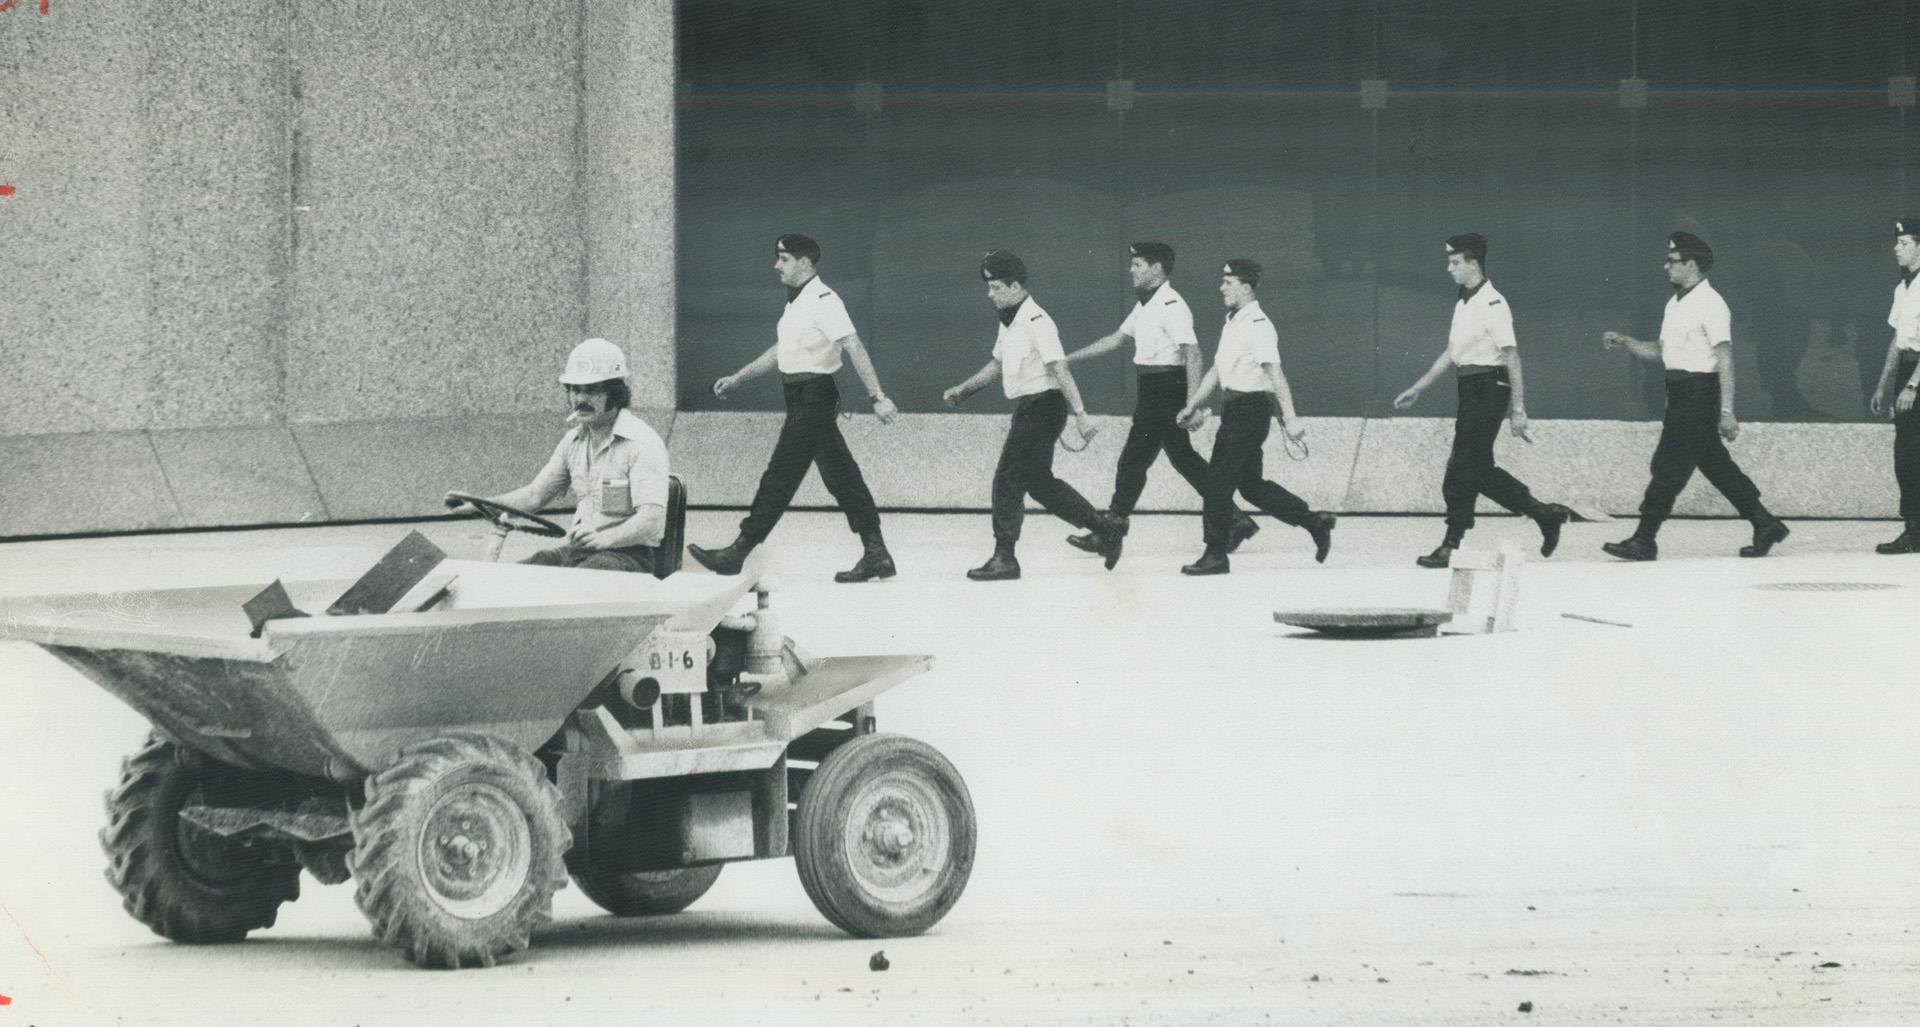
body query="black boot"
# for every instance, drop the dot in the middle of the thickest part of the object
(1213, 561)
(723, 561)
(1244, 528)
(1442, 555)
(1110, 532)
(1551, 517)
(1767, 530)
(1635, 547)
(999, 567)
(1908, 541)
(875, 561)
(1320, 525)
(1089, 542)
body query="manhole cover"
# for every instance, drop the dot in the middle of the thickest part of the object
(1828, 586)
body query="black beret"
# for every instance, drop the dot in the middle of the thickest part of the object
(1244, 268)
(798, 245)
(1472, 245)
(1003, 266)
(1153, 253)
(1687, 246)
(1907, 226)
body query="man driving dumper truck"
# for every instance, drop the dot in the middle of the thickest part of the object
(459, 738)
(613, 466)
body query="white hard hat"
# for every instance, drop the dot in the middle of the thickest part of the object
(595, 360)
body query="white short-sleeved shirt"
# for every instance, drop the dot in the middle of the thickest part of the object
(1482, 327)
(1904, 318)
(1160, 326)
(1694, 323)
(1247, 340)
(810, 331)
(1025, 348)
(632, 454)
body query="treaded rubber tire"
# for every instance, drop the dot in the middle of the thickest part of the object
(416, 839)
(647, 893)
(185, 884)
(875, 784)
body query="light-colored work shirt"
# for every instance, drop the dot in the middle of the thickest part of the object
(1025, 348)
(610, 481)
(810, 331)
(1159, 327)
(1904, 318)
(1247, 341)
(1482, 327)
(1694, 323)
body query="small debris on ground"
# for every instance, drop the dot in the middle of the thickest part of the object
(1828, 965)
(878, 961)
(1526, 1007)
(1533, 973)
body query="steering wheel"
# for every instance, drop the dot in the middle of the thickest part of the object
(508, 517)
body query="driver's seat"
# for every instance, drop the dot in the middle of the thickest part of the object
(673, 542)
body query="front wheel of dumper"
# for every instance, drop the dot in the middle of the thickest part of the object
(884, 837)
(647, 892)
(187, 884)
(458, 851)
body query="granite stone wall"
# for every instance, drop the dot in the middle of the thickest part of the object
(294, 260)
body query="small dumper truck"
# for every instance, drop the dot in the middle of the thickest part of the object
(499, 729)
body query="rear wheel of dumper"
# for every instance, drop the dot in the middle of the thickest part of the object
(884, 837)
(187, 884)
(458, 851)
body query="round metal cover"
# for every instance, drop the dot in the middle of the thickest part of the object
(1366, 622)
(1828, 586)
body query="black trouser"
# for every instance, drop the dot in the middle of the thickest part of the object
(810, 436)
(1026, 469)
(1162, 392)
(1689, 439)
(1471, 472)
(1906, 447)
(1237, 466)
(636, 559)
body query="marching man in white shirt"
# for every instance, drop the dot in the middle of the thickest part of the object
(1247, 366)
(1167, 368)
(1485, 357)
(1696, 346)
(814, 331)
(1903, 365)
(1032, 367)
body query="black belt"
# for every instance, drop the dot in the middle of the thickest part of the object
(1688, 376)
(1154, 370)
(805, 376)
(1233, 394)
(1475, 370)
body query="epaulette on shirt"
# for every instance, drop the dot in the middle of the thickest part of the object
(1258, 320)
(1169, 303)
(824, 293)
(1036, 317)
(1493, 303)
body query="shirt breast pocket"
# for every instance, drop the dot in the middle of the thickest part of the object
(616, 498)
